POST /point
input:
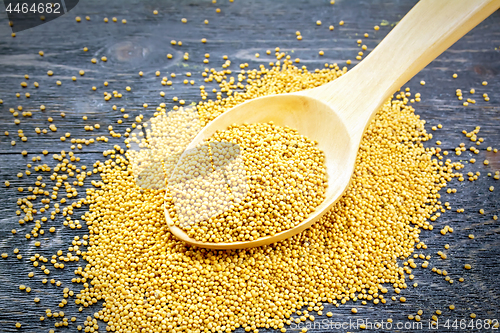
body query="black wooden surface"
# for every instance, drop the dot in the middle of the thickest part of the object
(242, 29)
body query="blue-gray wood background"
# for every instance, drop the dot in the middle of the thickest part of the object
(242, 29)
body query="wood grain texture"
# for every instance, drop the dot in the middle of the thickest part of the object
(240, 30)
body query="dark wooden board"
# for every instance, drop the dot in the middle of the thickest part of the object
(242, 29)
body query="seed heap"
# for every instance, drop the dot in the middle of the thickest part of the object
(276, 178)
(151, 282)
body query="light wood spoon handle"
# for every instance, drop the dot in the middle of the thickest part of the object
(426, 31)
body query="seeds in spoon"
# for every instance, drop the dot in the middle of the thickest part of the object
(267, 179)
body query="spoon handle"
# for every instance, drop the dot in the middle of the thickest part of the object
(423, 34)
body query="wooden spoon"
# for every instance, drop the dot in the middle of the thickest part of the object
(336, 114)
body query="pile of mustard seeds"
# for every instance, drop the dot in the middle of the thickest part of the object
(150, 281)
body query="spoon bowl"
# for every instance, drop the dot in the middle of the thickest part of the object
(323, 126)
(336, 114)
